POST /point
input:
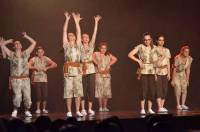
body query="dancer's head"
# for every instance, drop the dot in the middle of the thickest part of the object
(160, 40)
(185, 51)
(85, 38)
(71, 37)
(147, 39)
(103, 48)
(17, 45)
(40, 51)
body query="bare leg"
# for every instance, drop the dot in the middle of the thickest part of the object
(89, 105)
(149, 104)
(159, 102)
(100, 102)
(184, 96)
(83, 104)
(77, 102)
(69, 104)
(44, 104)
(105, 102)
(38, 105)
(162, 102)
(142, 103)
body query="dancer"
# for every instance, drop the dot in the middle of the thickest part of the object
(103, 60)
(146, 59)
(162, 72)
(73, 87)
(181, 76)
(19, 74)
(88, 68)
(40, 64)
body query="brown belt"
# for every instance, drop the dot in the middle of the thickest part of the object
(104, 72)
(85, 67)
(16, 77)
(72, 64)
(163, 67)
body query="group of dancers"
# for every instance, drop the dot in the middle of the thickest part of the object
(154, 72)
(87, 73)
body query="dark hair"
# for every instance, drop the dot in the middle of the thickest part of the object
(38, 48)
(159, 35)
(148, 34)
(183, 48)
(104, 44)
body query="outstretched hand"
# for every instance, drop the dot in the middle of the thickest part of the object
(67, 15)
(97, 18)
(77, 17)
(24, 34)
(1, 40)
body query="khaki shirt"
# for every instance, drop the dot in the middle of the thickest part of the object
(163, 61)
(72, 54)
(40, 63)
(19, 65)
(148, 56)
(87, 56)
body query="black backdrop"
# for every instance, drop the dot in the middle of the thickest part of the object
(122, 25)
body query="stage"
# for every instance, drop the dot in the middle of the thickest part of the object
(131, 120)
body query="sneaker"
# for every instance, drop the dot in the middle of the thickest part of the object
(14, 113)
(166, 110)
(142, 112)
(69, 114)
(45, 111)
(28, 113)
(83, 112)
(38, 111)
(78, 114)
(150, 111)
(91, 112)
(184, 107)
(106, 109)
(179, 107)
(162, 110)
(100, 109)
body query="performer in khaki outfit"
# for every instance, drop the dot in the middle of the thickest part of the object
(181, 76)
(88, 69)
(103, 60)
(72, 68)
(146, 72)
(162, 72)
(19, 74)
(40, 64)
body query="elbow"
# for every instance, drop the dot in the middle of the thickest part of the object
(55, 65)
(130, 55)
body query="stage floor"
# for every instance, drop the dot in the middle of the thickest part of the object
(104, 115)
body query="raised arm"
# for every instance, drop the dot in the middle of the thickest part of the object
(1, 43)
(77, 19)
(96, 20)
(30, 49)
(5, 50)
(132, 54)
(65, 27)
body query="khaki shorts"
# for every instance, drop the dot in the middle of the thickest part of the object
(73, 86)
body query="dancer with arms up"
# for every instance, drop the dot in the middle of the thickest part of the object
(88, 68)
(73, 87)
(19, 74)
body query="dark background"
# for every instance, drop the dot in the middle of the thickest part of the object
(122, 25)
